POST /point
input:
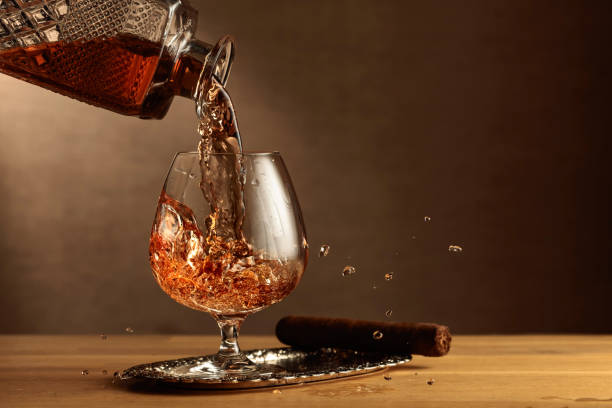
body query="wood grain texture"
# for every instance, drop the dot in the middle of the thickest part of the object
(480, 371)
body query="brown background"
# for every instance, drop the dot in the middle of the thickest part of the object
(491, 117)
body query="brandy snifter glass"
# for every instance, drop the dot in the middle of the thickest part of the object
(228, 275)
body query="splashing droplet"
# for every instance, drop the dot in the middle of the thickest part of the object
(348, 270)
(389, 312)
(104, 372)
(387, 377)
(129, 330)
(377, 335)
(388, 276)
(103, 336)
(431, 381)
(84, 372)
(277, 392)
(427, 219)
(324, 251)
(455, 249)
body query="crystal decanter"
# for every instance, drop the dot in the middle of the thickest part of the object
(128, 56)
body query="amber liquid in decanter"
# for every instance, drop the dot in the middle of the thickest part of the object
(113, 73)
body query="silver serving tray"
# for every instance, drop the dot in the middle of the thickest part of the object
(298, 366)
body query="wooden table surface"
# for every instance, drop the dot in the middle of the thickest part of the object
(480, 371)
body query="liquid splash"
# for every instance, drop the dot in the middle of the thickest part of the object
(348, 271)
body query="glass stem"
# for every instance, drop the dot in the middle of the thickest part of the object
(229, 338)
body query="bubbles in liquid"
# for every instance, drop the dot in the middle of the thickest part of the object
(84, 372)
(103, 336)
(348, 270)
(129, 330)
(454, 249)
(389, 312)
(388, 276)
(431, 381)
(104, 372)
(387, 377)
(377, 335)
(324, 251)
(277, 392)
(427, 219)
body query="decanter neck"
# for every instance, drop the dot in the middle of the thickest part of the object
(200, 62)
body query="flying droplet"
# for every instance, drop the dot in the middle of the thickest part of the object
(115, 377)
(377, 335)
(324, 251)
(431, 381)
(348, 270)
(103, 336)
(129, 330)
(454, 248)
(387, 377)
(104, 372)
(389, 312)
(416, 373)
(374, 286)
(277, 392)
(389, 276)
(427, 219)
(414, 237)
(84, 372)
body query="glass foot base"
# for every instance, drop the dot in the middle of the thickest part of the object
(266, 367)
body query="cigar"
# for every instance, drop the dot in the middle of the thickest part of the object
(426, 339)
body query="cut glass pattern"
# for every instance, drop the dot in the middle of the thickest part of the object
(24, 23)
